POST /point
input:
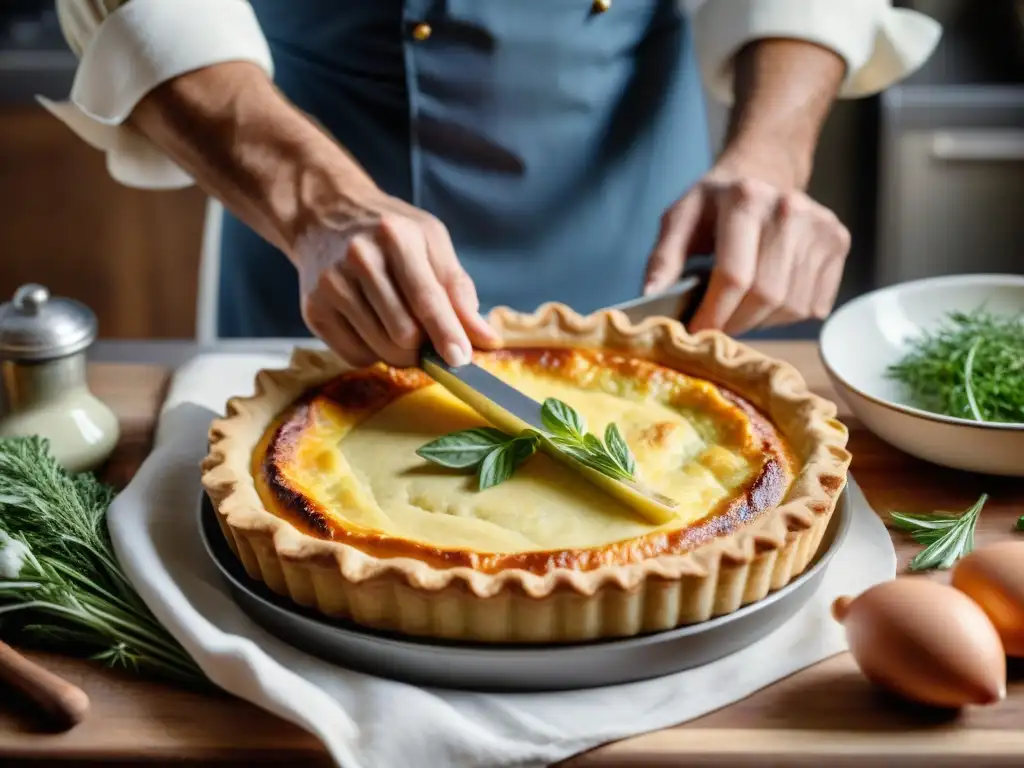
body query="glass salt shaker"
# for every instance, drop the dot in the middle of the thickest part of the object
(43, 386)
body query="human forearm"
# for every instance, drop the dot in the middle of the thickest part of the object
(246, 144)
(783, 92)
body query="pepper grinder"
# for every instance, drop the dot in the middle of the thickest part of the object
(43, 385)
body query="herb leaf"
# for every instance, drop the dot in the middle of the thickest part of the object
(570, 436)
(562, 420)
(463, 449)
(971, 366)
(619, 450)
(496, 455)
(948, 538)
(501, 463)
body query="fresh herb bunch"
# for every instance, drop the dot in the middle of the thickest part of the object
(58, 574)
(496, 455)
(947, 538)
(971, 366)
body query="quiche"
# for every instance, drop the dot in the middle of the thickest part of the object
(321, 494)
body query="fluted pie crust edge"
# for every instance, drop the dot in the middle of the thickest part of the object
(563, 605)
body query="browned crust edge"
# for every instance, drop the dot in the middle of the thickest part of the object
(410, 595)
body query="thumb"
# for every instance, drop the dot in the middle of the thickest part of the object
(677, 228)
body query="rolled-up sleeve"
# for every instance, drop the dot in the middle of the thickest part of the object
(880, 44)
(128, 47)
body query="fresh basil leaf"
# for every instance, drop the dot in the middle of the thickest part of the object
(464, 449)
(597, 461)
(619, 450)
(562, 420)
(592, 444)
(501, 463)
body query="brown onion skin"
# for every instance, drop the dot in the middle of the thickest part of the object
(926, 642)
(993, 577)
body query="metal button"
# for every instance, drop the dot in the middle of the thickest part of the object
(600, 6)
(422, 31)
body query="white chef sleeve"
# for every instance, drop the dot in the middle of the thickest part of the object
(128, 47)
(880, 44)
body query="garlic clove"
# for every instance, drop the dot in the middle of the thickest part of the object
(926, 642)
(993, 577)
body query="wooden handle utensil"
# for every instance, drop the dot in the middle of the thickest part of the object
(64, 705)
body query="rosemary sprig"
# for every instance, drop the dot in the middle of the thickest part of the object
(59, 578)
(971, 366)
(946, 537)
(496, 455)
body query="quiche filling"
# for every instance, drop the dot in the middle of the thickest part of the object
(342, 464)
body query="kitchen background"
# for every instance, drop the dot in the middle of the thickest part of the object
(929, 177)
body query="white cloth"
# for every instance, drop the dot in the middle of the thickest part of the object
(368, 722)
(128, 52)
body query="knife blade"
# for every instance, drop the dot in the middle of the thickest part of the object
(679, 301)
(511, 411)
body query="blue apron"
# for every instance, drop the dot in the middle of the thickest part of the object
(547, 136)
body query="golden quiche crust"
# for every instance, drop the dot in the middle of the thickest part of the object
(756, 540)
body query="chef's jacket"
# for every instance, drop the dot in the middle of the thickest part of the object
(548, 135)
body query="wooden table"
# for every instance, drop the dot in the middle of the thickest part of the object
(825, 715)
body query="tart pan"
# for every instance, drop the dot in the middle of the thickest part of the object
(518, 668)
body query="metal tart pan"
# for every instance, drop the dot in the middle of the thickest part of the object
(518, 668)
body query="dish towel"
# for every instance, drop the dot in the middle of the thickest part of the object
(369, 722)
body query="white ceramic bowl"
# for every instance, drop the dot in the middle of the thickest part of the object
(868, 334)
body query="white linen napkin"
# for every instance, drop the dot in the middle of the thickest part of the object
(366, 722)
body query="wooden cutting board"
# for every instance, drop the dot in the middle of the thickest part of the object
(825, 715)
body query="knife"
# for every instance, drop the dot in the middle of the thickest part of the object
(508, 409)
(679, 301)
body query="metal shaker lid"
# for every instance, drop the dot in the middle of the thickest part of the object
(37, 326)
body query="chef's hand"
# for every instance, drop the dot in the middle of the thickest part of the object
(380, 276)
(779, 255)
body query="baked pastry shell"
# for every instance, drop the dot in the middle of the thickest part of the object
(562, 605)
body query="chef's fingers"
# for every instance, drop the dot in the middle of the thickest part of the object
(364, 263)
(771, 290)
(807, 266)
(741, 211)
(678, 225)
(826, 287)
(830, 277)
(337, 333)
(798, 296)
(819, 272)
(458, 284)
(350, 303)
(406, 247)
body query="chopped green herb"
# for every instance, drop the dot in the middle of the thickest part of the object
(971, 366)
